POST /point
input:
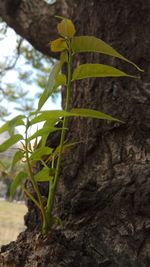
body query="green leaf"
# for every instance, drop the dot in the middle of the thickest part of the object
(10, 142)
(63, 57)
(70, 145)
(3, 165)
(39, 153)
(66, 28)
(46, 115)
(93, 44)
(97, 70)
(41, 132)
(47, 123)
(66, 147)
(58, 45)
(9, 126)
(51, 116)
(17, 181)
(44, 175)
(60, 80)
(17, 157)
(91, 113)
(51, 84)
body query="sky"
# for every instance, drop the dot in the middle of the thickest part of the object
(7, 48)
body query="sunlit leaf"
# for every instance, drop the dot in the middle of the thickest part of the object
(51, 115)
(48, 123)
(39, 153)
(9, 126)
(70, 145)
(66, 28)
(46, 115)
(53, 75)
(58, 45)
(51, 84)
(17, 157)
(44, 175)
(93, 44)
(10, 142)
(66, 148)
(17, 181)
(3, 165)
(60, 80)
(63, 57)
(41, 132)
(97, 70)
(91, 113)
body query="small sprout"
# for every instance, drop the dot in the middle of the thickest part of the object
(50, 158)
(66, 28)
(58, 45)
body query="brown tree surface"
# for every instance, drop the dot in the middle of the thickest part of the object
(104, 191)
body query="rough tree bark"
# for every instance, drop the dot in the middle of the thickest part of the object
(104, 191)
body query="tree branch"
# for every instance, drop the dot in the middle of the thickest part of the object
(11, 65)
(33, 20)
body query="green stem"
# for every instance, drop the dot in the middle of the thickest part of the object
(31, 197)
(54, 182)
(35, 186)
(44, 164)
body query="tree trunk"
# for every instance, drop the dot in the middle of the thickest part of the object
(104, 186)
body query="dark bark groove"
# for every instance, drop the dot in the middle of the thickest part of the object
(104, 191)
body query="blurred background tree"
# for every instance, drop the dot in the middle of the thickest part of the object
(23, 73)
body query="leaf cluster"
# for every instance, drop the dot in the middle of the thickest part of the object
(68, 45)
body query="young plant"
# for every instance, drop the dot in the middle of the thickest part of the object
(68, 45)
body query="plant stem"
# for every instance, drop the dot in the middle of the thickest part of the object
(35, 186)
(54, 182)
(31, 197)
